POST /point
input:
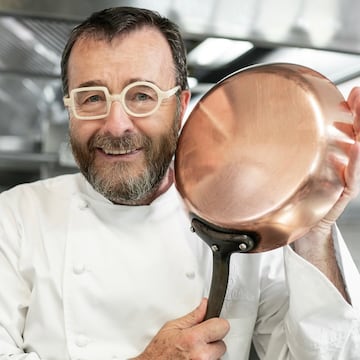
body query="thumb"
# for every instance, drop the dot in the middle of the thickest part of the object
(194, 317)
(351, 189)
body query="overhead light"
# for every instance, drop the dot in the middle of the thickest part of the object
(321, 29)
(48, 54)
(19, 30)
(274, 19)
(27, 37)
(215, 52)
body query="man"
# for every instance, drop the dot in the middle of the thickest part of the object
(102, 265)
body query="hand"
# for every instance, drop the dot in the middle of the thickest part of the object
(352, 171)
(317, 246)
(189, 338)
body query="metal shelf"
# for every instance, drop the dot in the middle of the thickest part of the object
(14, 159)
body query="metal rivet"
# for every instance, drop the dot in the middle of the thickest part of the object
(243, 246)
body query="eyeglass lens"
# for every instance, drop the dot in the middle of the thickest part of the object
(90, 102)
(139, 99)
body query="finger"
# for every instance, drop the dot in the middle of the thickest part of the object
(214, 329)
(354, 104)
(193, 318)
(354, 93)
(352, 184)
(352, 172)
(218, 349)
(212, 351)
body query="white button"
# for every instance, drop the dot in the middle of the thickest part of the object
(79, 269)
(82, 341)
(83, 205)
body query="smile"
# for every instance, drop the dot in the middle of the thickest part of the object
(118, 152)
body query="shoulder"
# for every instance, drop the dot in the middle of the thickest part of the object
(42, 190)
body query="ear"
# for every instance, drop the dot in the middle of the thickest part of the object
(184, 103)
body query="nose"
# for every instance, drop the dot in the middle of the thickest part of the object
(118, 121)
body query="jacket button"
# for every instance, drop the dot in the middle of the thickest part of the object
(82, 341)
(83, 205)
(79, 269)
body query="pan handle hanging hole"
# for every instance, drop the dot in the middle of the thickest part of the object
(214, 248)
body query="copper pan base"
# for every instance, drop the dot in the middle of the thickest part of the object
(264, 151)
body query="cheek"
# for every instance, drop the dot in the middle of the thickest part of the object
(160, 124)
(156, 130)
(83, 130)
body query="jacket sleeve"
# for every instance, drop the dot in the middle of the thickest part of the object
(316, 323)
(14, 291)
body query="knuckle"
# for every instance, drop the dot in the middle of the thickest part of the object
(192, 338)
(225, 324)
(168, 324)
(221, 323)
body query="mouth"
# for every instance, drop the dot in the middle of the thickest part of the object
(127, 148)
(119, 153)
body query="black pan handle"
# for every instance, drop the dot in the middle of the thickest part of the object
(223, 244)
(219, 282)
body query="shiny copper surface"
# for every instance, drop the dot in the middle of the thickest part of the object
(264, 150)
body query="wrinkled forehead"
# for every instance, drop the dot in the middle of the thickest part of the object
(143, 54)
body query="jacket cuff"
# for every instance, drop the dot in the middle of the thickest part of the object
(319, 319)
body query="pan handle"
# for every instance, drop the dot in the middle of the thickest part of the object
(223, 244)
(219, 282)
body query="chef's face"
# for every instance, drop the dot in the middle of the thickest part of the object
(125, 158)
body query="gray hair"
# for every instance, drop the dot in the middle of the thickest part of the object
(109, 23)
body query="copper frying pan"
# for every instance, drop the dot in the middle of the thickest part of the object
(260, 161)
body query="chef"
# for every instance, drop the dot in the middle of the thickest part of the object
(102, 265)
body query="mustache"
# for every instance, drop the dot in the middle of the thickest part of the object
(125, 142)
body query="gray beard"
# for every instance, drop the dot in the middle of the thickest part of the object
(116, 183)
(131, 190)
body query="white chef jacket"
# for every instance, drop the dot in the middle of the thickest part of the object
(82, 278)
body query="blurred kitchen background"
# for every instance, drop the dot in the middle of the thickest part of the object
(221, 36)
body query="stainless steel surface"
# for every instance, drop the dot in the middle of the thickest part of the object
(264, 151)
(16, 160)
(32, 46)
(328, 24)
(16, 143)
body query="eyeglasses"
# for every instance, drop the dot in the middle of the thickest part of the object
(139, 99)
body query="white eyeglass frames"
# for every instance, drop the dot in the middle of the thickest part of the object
(139, 99)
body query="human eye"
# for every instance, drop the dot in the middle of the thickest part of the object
(93, 98)
(141, 94)
(89, 97)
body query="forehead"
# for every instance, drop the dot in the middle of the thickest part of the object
(142, 54)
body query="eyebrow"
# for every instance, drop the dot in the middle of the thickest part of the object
(91, 83)
(101, 83)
